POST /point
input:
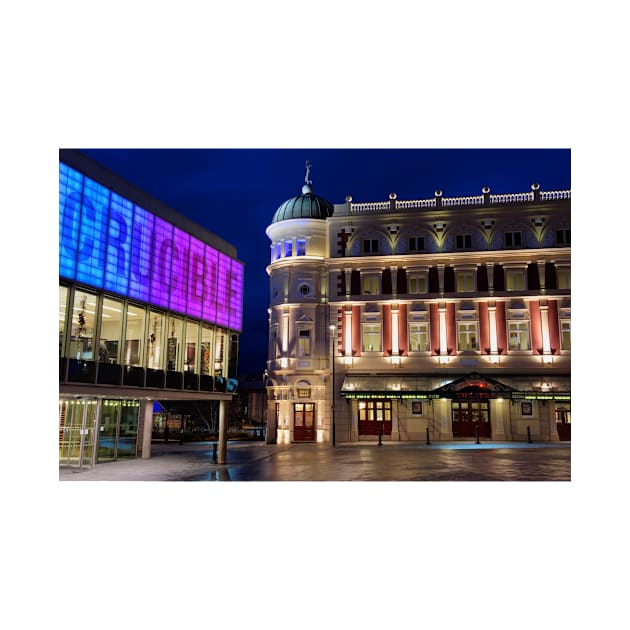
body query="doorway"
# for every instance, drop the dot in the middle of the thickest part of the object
(77, 432)
(467, 416)
(304, 422)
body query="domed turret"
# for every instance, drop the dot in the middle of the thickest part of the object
(304, 206)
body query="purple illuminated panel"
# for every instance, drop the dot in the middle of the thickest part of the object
(236, 292)
(223, 282)
(196, 271)
(210, 293)
(108, 242)
(162, 258)
(179, 271)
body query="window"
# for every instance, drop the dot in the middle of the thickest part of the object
(519, 335)
(563, 237)
(288, 248)
(513, 239)
(371, 337)
(515, 279)
(416, 243)
(300, 247)
(418, 337)
(111, 332)
(370, 245)
(304, 344)
(417, 283)
(134, 336)
(467, 335)
(370, 284)
(304, 289)
(565, 334)
(277, 251)
(463, 241)
(465, 281)
(564, 278)
(375, 410)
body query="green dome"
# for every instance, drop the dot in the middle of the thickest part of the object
(304, 206)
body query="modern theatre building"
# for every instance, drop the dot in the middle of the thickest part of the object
(439, 319)
(150, 309)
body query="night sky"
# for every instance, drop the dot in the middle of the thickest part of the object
(235, 192)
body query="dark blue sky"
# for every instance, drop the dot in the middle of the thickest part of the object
(234, 193)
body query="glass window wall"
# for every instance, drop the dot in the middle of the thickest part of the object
(63, 310)
(174, 344)
(191, 361)
(111, 331)
(155, 341)
(134, 335)
(84, 309)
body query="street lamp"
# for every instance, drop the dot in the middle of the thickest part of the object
(332, 328)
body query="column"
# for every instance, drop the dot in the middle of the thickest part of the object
(347, 333)
(146, 411)
(395, 340)
(544, 324)
(222, 433)
(395, 432)
(497, 408)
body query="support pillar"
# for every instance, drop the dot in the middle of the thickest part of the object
(222, 433)
(146, 410)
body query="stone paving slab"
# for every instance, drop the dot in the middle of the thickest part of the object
(357, 461)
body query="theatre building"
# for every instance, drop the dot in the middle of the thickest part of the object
(150, 310)
(423, 319)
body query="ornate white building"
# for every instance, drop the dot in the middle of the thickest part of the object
(433, 319)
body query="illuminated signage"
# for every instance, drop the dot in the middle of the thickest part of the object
(110, 243)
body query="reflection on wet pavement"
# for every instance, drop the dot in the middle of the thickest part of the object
(352, 462)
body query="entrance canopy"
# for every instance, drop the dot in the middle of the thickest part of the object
(416, 386)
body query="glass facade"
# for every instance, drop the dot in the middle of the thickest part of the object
(142, 304)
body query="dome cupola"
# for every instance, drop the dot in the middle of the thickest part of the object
(304, 206)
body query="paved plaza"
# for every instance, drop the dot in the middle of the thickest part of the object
(364, 461)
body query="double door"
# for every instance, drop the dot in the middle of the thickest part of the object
(77, 432)
(468, 416)
(304, 422)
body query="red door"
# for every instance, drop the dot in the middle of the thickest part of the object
(375, 415)
(467, 416)
(304, 422)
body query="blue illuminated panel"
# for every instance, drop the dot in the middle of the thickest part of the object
(108, 242)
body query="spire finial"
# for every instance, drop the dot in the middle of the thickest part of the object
(307, 188)
(307, 178)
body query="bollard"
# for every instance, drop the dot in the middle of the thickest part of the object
(214, 452)
(477, 434)
(380, 433)
(428, 440)
(529, 436)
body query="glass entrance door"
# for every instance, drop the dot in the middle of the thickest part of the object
(107, 430)
(77, 424)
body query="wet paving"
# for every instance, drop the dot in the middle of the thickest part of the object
(255, 461)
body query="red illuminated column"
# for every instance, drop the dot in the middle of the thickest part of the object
(451, 327)
(403, 338)
(356, 331)
(554, 326)
(484, 329)
(387, 329)
(535, 321)
(434, 326)
(501, 326)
